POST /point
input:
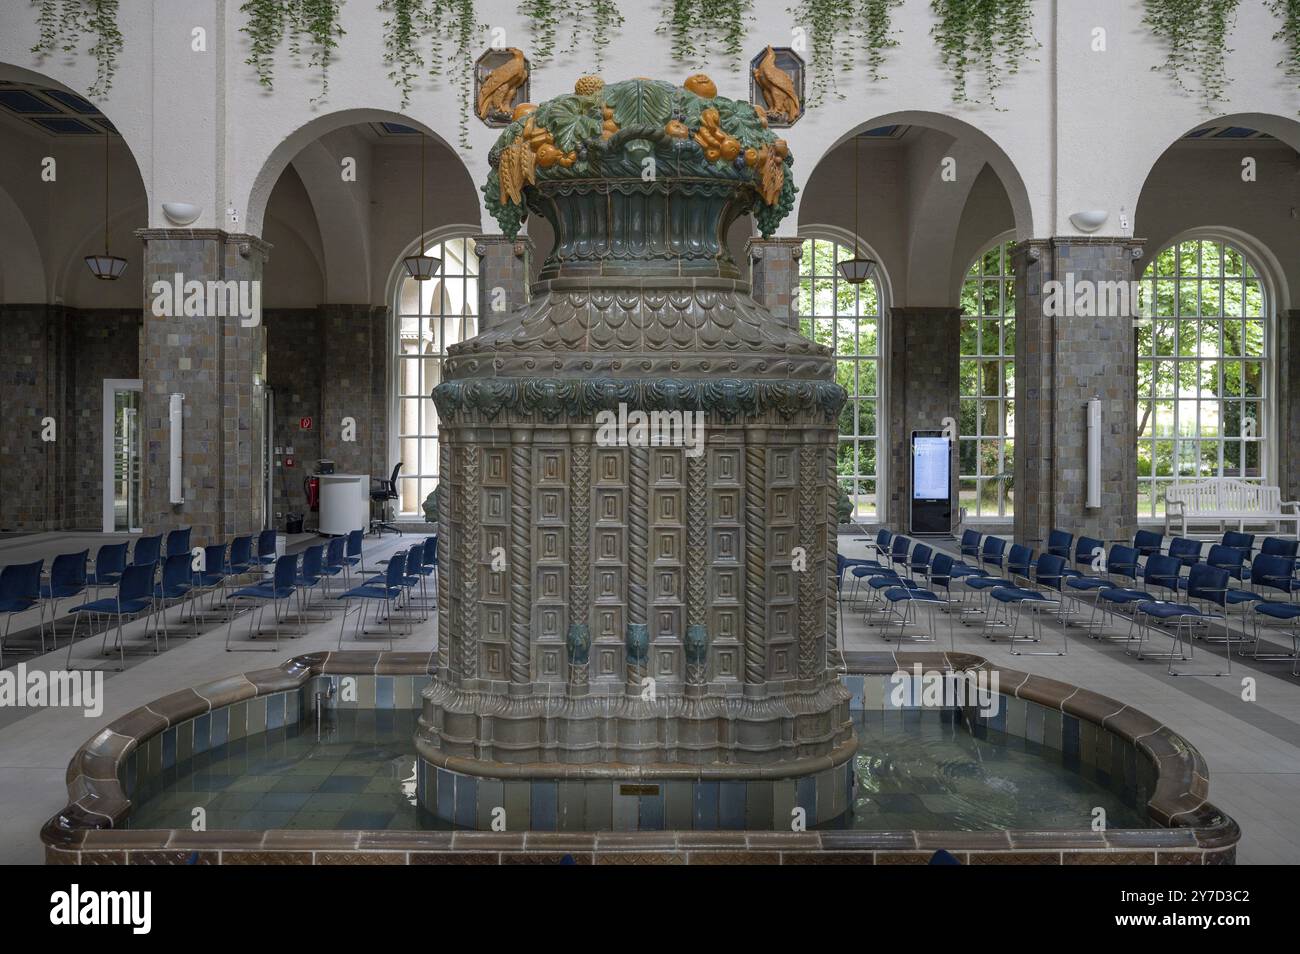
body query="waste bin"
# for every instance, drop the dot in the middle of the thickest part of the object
(293, 523)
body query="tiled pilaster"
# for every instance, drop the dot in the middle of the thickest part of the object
(774, 275)
(219, 364)
(924, 359)
(1061, 363)
(502, 275)
(1288, 396)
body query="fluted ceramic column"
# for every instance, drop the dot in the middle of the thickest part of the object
(469, 559)
(755, 556)
(521, 563)
(638, 552)
(812, 532)
(578, 641)
(697, 570)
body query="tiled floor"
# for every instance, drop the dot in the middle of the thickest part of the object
(1252, 747)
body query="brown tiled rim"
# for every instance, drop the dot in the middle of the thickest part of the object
(87, 830)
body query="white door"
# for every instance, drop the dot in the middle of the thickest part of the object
(122, 448)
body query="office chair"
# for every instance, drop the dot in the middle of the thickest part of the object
(382, 491)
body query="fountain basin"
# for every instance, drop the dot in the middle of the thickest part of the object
(1152, 761)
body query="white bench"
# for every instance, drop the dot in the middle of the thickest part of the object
(1223, 501)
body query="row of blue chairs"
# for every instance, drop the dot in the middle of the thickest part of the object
(156, 574)
(1169, 601)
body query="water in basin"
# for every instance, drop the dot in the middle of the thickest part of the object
(925, 771)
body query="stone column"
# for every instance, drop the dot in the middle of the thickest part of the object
(214, 352)
(1288, 403)
(502, 276)
(774, 275)
(1065, 356)
(354, 346)
(924, 360)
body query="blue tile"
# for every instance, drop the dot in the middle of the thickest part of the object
(275, 711)
(805, 796)
(385, 692)
(652, 811)
(542, 805)
(731, 805)
(446, 795)
(202, 732)
(220, 727)
(1070, 740)
(169, 748)
(706, 806)
(466, 800)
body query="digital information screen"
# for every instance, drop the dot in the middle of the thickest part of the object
(931, 458)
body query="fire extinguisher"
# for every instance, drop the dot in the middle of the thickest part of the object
(311, 487)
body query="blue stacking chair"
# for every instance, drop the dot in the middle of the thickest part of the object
(1049, 574)
(310, 576)
(1160, 572)
(1017, 571)
(1187, 552)
(213, 576)
(1232, 559)
(1148, 543)
(903, 602)
(20, 590)
(178, 541)
(1283, 613)
(175, 587)
(67, 579)
(266, 549)
(856, 568)
(993, 552)
(884, 538)
(354, 556)
(1245, 542)
(333, 564)
(919, 560)
(110, 561)
(275, 592)
(147, 550)
(386, 589)
(1085, 551)
(1271, 571)
(429, 570)
(898, 548)
(411, 578)
(134, 599)
(1276, 546)
(1121, 564)
(1206, 584)
(1058, 543)
(970, 544)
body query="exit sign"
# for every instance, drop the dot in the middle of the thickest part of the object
(304, 424)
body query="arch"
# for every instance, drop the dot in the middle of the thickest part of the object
(22, 269)
(991, 151)
(834, 233)
(296, 141)
(340, 223)
(132, 125)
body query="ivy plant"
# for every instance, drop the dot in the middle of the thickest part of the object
(700, 30)
(594, 21)
(457, 20)
(837, 30)
(401, 56)
(988, 36)
(63, 24)
(307, 23)
(1289, 33)
(1195, 35)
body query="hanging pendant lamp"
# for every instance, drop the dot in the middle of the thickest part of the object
(422, 267)
(857, 269)
(106, 267)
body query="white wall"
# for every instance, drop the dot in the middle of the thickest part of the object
(1076, 129)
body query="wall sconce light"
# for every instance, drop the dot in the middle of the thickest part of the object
(174, 419)
(1089, 221)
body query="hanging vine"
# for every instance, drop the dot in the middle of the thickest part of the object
(455, 19)
(63, 24)
(1195, 34)
(593, 20)
(1289, 33)
(837, 29)
(310, 23)
(702, 29)
(403, 60)
(991, 36)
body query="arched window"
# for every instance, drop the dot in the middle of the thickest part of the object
(846, 318)
(428, 316)
(987, 431)
(1202, 375)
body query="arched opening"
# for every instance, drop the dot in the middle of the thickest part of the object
(70, 187)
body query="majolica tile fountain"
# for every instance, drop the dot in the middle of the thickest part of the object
(621, 607)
